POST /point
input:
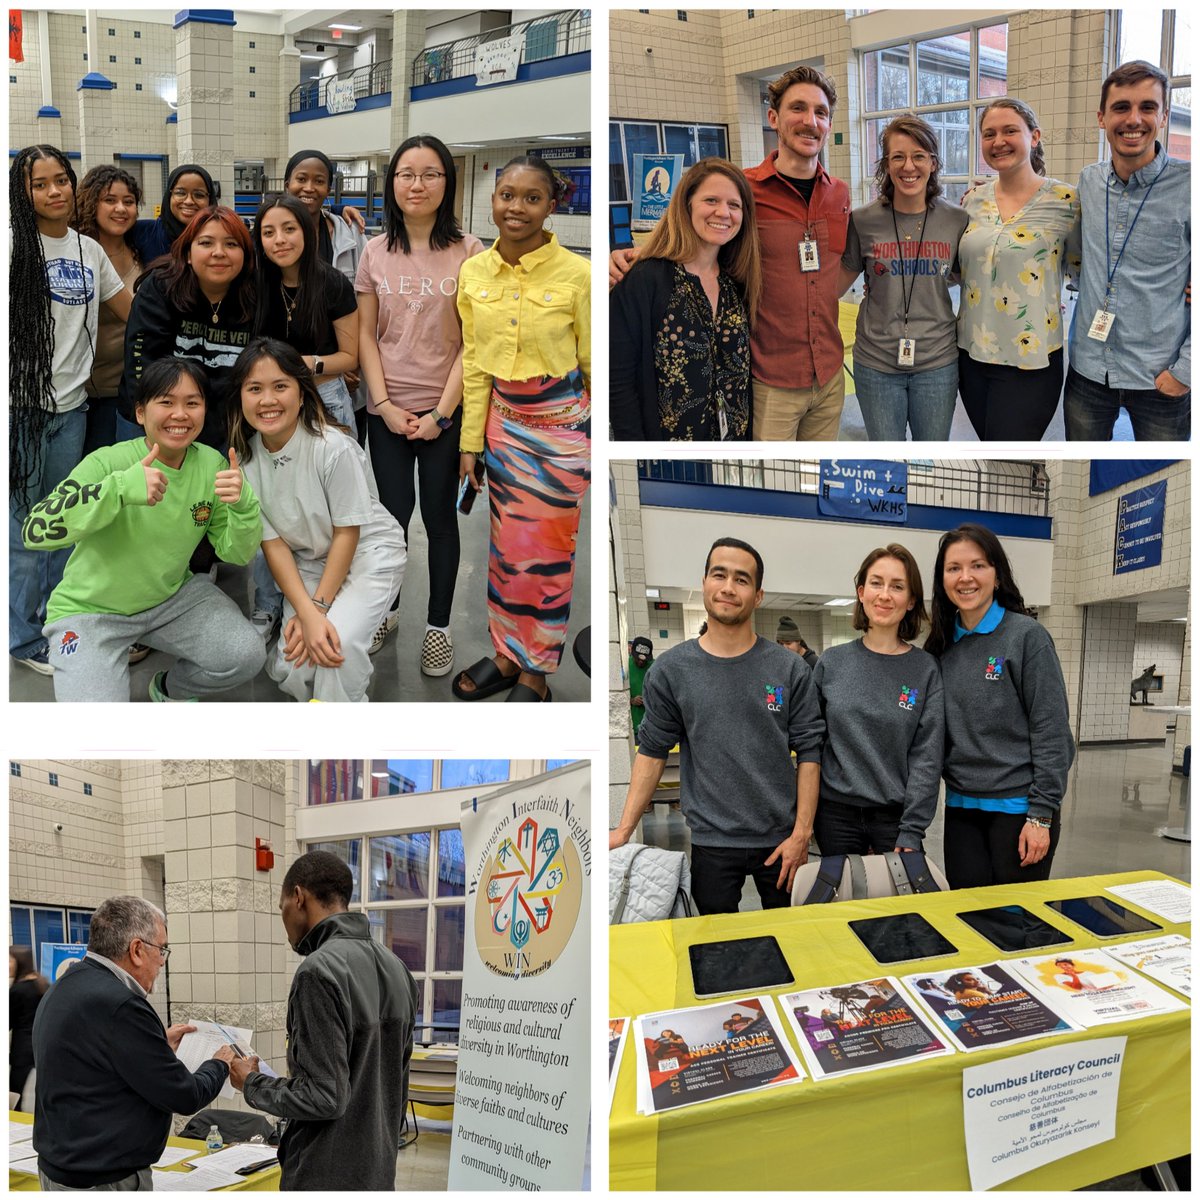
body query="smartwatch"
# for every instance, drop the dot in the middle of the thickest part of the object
(318, 365)
(443, 422)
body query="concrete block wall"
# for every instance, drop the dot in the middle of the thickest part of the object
(1161, 643)
(1110, 631)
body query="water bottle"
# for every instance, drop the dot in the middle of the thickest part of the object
(214, 1141)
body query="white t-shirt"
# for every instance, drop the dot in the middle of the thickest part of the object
(75, 306)
(316, 483)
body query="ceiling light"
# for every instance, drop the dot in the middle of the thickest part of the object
(351, 28)
(838, 603)
(652, 593)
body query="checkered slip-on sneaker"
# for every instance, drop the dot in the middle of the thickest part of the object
(381, 634)
(437, 653)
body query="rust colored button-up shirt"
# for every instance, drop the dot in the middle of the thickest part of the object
(796, 342)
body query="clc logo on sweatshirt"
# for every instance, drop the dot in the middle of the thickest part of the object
(994, 670)
(774, 697)
(908, 697)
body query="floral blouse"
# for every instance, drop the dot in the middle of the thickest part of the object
(1010, 311)
(703, 362)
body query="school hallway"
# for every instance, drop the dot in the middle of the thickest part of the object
(397, 676)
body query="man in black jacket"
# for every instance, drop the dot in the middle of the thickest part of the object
(350, 1037)
(107, 1076)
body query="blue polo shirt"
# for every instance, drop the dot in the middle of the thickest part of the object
(1013, 804)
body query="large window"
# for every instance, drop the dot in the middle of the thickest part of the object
(1163, 36)
(627, 138)
(947, 80)
(331, 781)
(414, 894)
(33, 924)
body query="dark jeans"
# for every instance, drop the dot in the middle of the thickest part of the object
(395, 460)
(1092, 409)
(101, 423)
(719, 873)
(981, 848)
(848, 829)
(1006, 403)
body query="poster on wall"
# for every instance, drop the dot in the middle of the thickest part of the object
(654, 179)
(521, 1102)
(1138, 542)
(867, 489)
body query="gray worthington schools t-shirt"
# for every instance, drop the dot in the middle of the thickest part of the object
(891, 270)
(736, 721)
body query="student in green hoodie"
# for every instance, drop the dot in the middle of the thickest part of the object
(135, 512)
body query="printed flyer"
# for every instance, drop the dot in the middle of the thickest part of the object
(1163, 897)
(1167, 959)
(691, 1055)
(985, 1006)
(1093, 988)
(859, 1027)
(618, 1031)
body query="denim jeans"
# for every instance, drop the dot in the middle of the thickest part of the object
(34, 574)
(1092, 409)
(921, 400)
(338, 404)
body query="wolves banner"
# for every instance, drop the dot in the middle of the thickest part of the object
(521, 1102)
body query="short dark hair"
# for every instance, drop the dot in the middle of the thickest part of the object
(163, 374)
(1134, 72)
(777, 89)
(910, 624)
(322, 874)
(736, 544)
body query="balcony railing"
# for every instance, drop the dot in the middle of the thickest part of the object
(373, 80)
(554, 35)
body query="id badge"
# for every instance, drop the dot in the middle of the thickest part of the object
(810, 256)
(907, 353)
(722, 423)
(1101, 325)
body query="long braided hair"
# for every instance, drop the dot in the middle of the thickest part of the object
(31, 356)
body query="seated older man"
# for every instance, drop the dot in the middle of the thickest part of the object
(107, 1076)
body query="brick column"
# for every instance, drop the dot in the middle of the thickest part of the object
(204, 71)
(97, 133)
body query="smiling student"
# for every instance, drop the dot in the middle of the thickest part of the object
(189, 189)
(1008, 736)
(879, 792)
(679, 326)
(135, 512)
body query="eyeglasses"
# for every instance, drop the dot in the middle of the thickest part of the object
(183, 194)
(919, 160)
(165, 951)
(428, 178)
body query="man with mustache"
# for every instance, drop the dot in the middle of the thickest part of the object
(1131, 343)
(802, 214)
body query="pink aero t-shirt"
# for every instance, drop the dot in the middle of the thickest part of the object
(418, 331)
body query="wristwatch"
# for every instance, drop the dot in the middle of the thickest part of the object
(318, 365)
(443, 422)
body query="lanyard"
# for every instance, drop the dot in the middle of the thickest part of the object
(1108, 238)
(900, 251)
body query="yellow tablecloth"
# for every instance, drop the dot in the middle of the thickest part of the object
(262, 1181)
(888, 1130)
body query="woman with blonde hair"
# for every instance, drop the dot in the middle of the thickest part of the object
(1013, 251)
(905, 245)
(679, 335)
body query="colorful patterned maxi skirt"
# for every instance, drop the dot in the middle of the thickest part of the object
(538, 458)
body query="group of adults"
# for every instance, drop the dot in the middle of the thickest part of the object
(724, 323)
(853, 752)
(187, 390)
(107, 1077)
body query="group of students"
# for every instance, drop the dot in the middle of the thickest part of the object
(875, 727)
(724, 324)
(185, 390)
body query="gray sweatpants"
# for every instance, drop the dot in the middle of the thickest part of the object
(215, 647)
(139, 1181)
(355, 614)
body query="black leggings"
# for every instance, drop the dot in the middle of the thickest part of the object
(394, 460)
(1006, 403)
(981, 848)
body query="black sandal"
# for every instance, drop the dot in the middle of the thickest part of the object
(487, 678)
(524, 694)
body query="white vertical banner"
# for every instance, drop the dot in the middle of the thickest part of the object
(522, 1096)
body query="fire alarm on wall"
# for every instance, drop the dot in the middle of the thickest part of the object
(264, 857)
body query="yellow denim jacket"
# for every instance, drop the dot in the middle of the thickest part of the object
(522, 322)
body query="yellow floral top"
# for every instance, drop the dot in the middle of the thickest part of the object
(522, 322)
(1010, 311)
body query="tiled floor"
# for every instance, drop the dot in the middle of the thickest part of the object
(397, 666)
